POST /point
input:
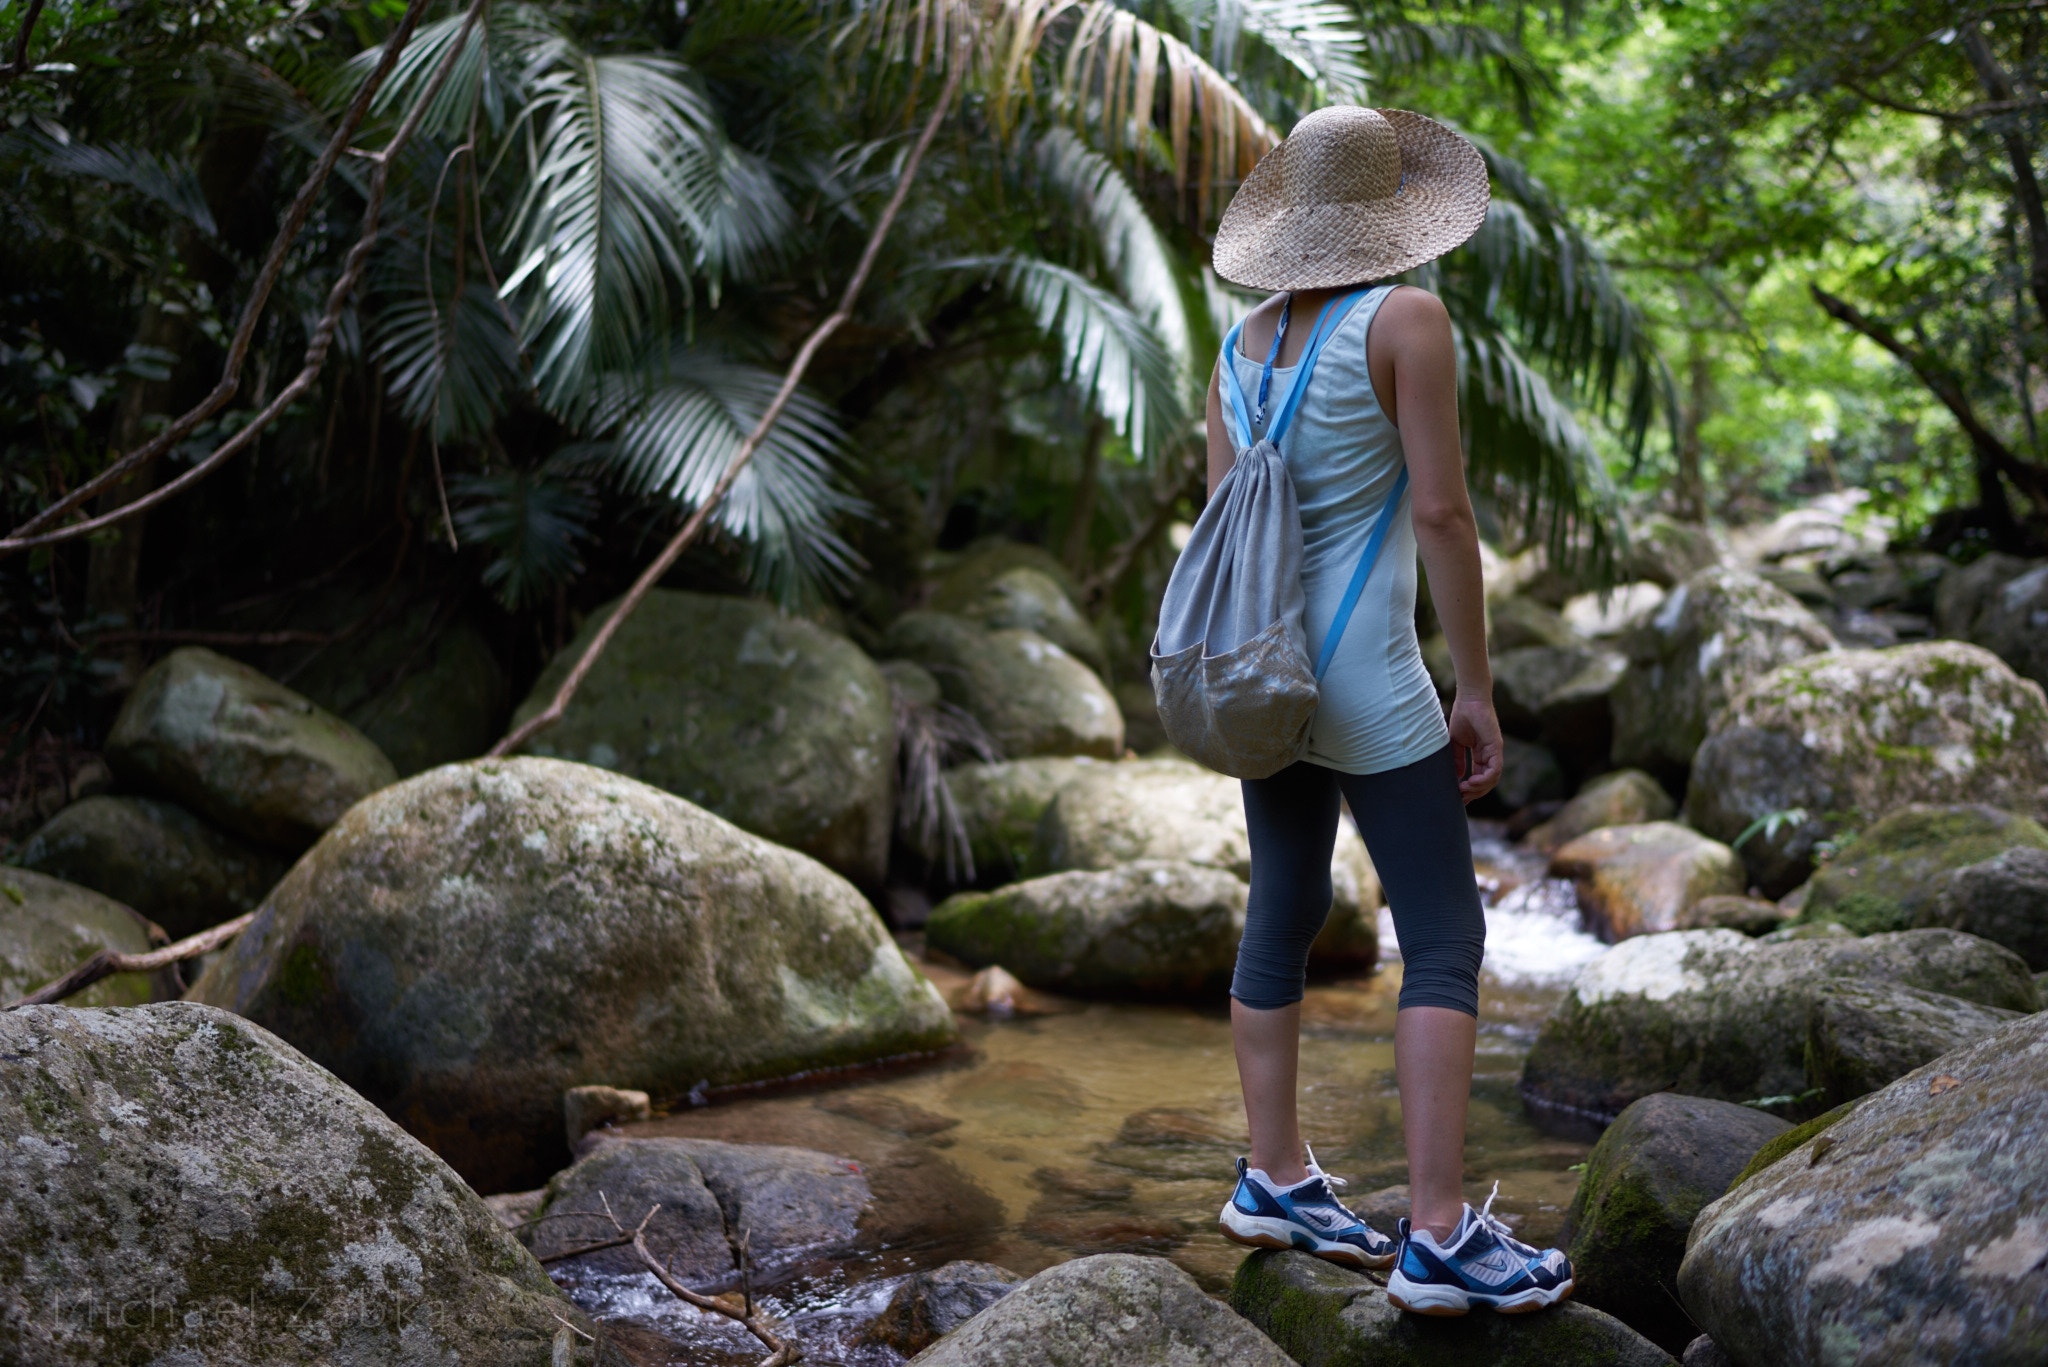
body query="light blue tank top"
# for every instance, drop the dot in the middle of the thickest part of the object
(1378, 709)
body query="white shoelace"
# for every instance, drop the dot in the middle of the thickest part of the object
(1498, 1226)
(1331, 1184)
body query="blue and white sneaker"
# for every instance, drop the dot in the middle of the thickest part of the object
(1480, 1264)
(1307, 1216)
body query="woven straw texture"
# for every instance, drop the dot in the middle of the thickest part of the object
(1352, 195)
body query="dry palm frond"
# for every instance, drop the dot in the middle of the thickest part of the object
(1116, 73)
(930, 736)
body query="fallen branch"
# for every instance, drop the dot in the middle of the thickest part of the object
(106, 963)
(30, 534)
(675, 548)
(781, 1351)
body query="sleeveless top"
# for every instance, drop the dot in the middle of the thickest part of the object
(1378, 709)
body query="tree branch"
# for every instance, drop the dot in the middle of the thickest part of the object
(19, 66)
(681, 542)
(781, 1351)
(106, 963)
(2026, 186)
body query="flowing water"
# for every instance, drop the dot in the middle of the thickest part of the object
(1114, 1127)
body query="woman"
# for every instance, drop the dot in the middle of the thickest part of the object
(1353, 196)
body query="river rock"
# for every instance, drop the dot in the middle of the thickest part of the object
(1520, 623)
(967, 578)
(1640, 879)
(1963, 589)
(480, 938)
(1000, 805)
(242, 750)
(1866, 731)
(1750, 915)
(1667, 552)
(2013, 623)
(586, 1108)
(180, 1186)
(930, 1305)
(49, 927)
(2004, 899)
(1529, 773)
(1112, 1308)
(1577, 716)
(789, 1202)
(1029, 599)
(1889, 876)
(1662, 1159)
(1860, 1036)
(1625, 797)
(1032, 696)
(1322, 1315)
(1717, 631)
(1610, 612)
(177, 870)
(775, 724)
(1524, 677)
(1715, 1013)
(1912, 1232)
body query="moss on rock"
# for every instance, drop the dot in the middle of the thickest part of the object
(169, 865)
(1890, 876)
(49, 927)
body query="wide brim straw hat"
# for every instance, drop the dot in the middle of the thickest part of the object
(1352, 195)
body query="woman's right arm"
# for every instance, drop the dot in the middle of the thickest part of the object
(1221, 457)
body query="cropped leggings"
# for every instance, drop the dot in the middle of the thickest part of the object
(1414, 825)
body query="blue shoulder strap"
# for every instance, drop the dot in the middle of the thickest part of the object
(1361, 574)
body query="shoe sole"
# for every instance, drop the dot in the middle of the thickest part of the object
(1521, 1303)
(1260, 1233)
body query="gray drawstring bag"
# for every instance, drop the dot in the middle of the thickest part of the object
(1230, 666)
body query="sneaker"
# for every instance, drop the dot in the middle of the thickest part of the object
(1481, 1263)
(1307, 1216)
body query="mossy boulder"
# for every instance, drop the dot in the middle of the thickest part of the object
(181, 872)
(1655, 1167)
(1714, 1013)
(1033, 697)
(177, 1185)
(1718, 631)
(242, 750)
(1028, 599)
(1529, 773)
(474, 941)
(1750, 915)
(1624, 797)
(1912, 1231)
(968, 574)
(1664, 551)
(1000, 805)
(1963, 591)
(1514, 624)
(1324, 1316)
(1836, 741)
(1860, 1036)
(1525, 676)
(1641, 879)
(775, 724)
(2003, 899)
(1112, 1308)
(1577, 716)
(2012, 623)
(1790, 1141)
(1890, 876)
(49, 927)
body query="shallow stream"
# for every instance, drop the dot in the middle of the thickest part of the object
(1106, 1127)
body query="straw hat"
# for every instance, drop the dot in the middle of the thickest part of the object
(1352, 195)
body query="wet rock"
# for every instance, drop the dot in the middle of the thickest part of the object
(586, 1108)
(1032, 696)
(1862, 1036)
(930, 1305)
(1907, 581)
(912, 683)
(1866, 731)
(967, 578)
(1750, 915)
(1115, 1307)
(2013, 623)
(1528, 773)
(1625, 797)
(1914, 1231)
(2003, 899)
(242, 750)
(476, 940)
(1577, 716)
(1610, 612)
(1324, 1316)
(1830, 529)
(787, 1202)
(1715, 1013)
(1668, 552)
(1637, 880)
(1142, 729)
(241, 1203)
(1029, 599)
(1000, 806)
(1525, 676)
(1790, 1141)
(1520, 623)
(775, 724)
(49, 927)
(1704, 1352)
(1961, 593)
(1890, 876)
(1717, 632)
(179, 871)
(1150, 926)
(1802, 583)
(1657, 1165)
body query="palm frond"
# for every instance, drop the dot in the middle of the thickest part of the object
(1321, 40)
(173, 185)
(448, 363)
(531, 521)
(477, 81)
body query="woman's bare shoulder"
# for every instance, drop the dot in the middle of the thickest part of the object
(1413, 305)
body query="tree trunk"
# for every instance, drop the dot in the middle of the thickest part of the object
(1692, 492)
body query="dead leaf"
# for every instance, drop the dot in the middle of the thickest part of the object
(1943, 1083)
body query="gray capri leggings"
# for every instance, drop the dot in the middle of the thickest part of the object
(1414, 825)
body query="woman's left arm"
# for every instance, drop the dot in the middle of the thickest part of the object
(1415, 332)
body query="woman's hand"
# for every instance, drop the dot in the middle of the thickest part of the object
(1475, 745)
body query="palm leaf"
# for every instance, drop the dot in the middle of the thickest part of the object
(173, 185)
(447, 363)
(531, 521)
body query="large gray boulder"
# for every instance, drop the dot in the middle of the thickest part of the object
(1112, 1308)
(1577, 716)
(1000, 805)
(1717, 631)
(1840, 738)
(1963, 591)
(49, 927)
(183, 873)
(474, 941)
(1026, 598)
(1033, 697)
(177, 1185)
(1913, 1231)
(930, 1305)
(1624, 797)
(1860, 1036)
(775, 724)
(1324, 1316)
(242, 750)
(2005, 610)
(1525, 676)
(1655, 1167)
(2004, 899)
(1889, 876)
(1641, 879)
(1714, 1013)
